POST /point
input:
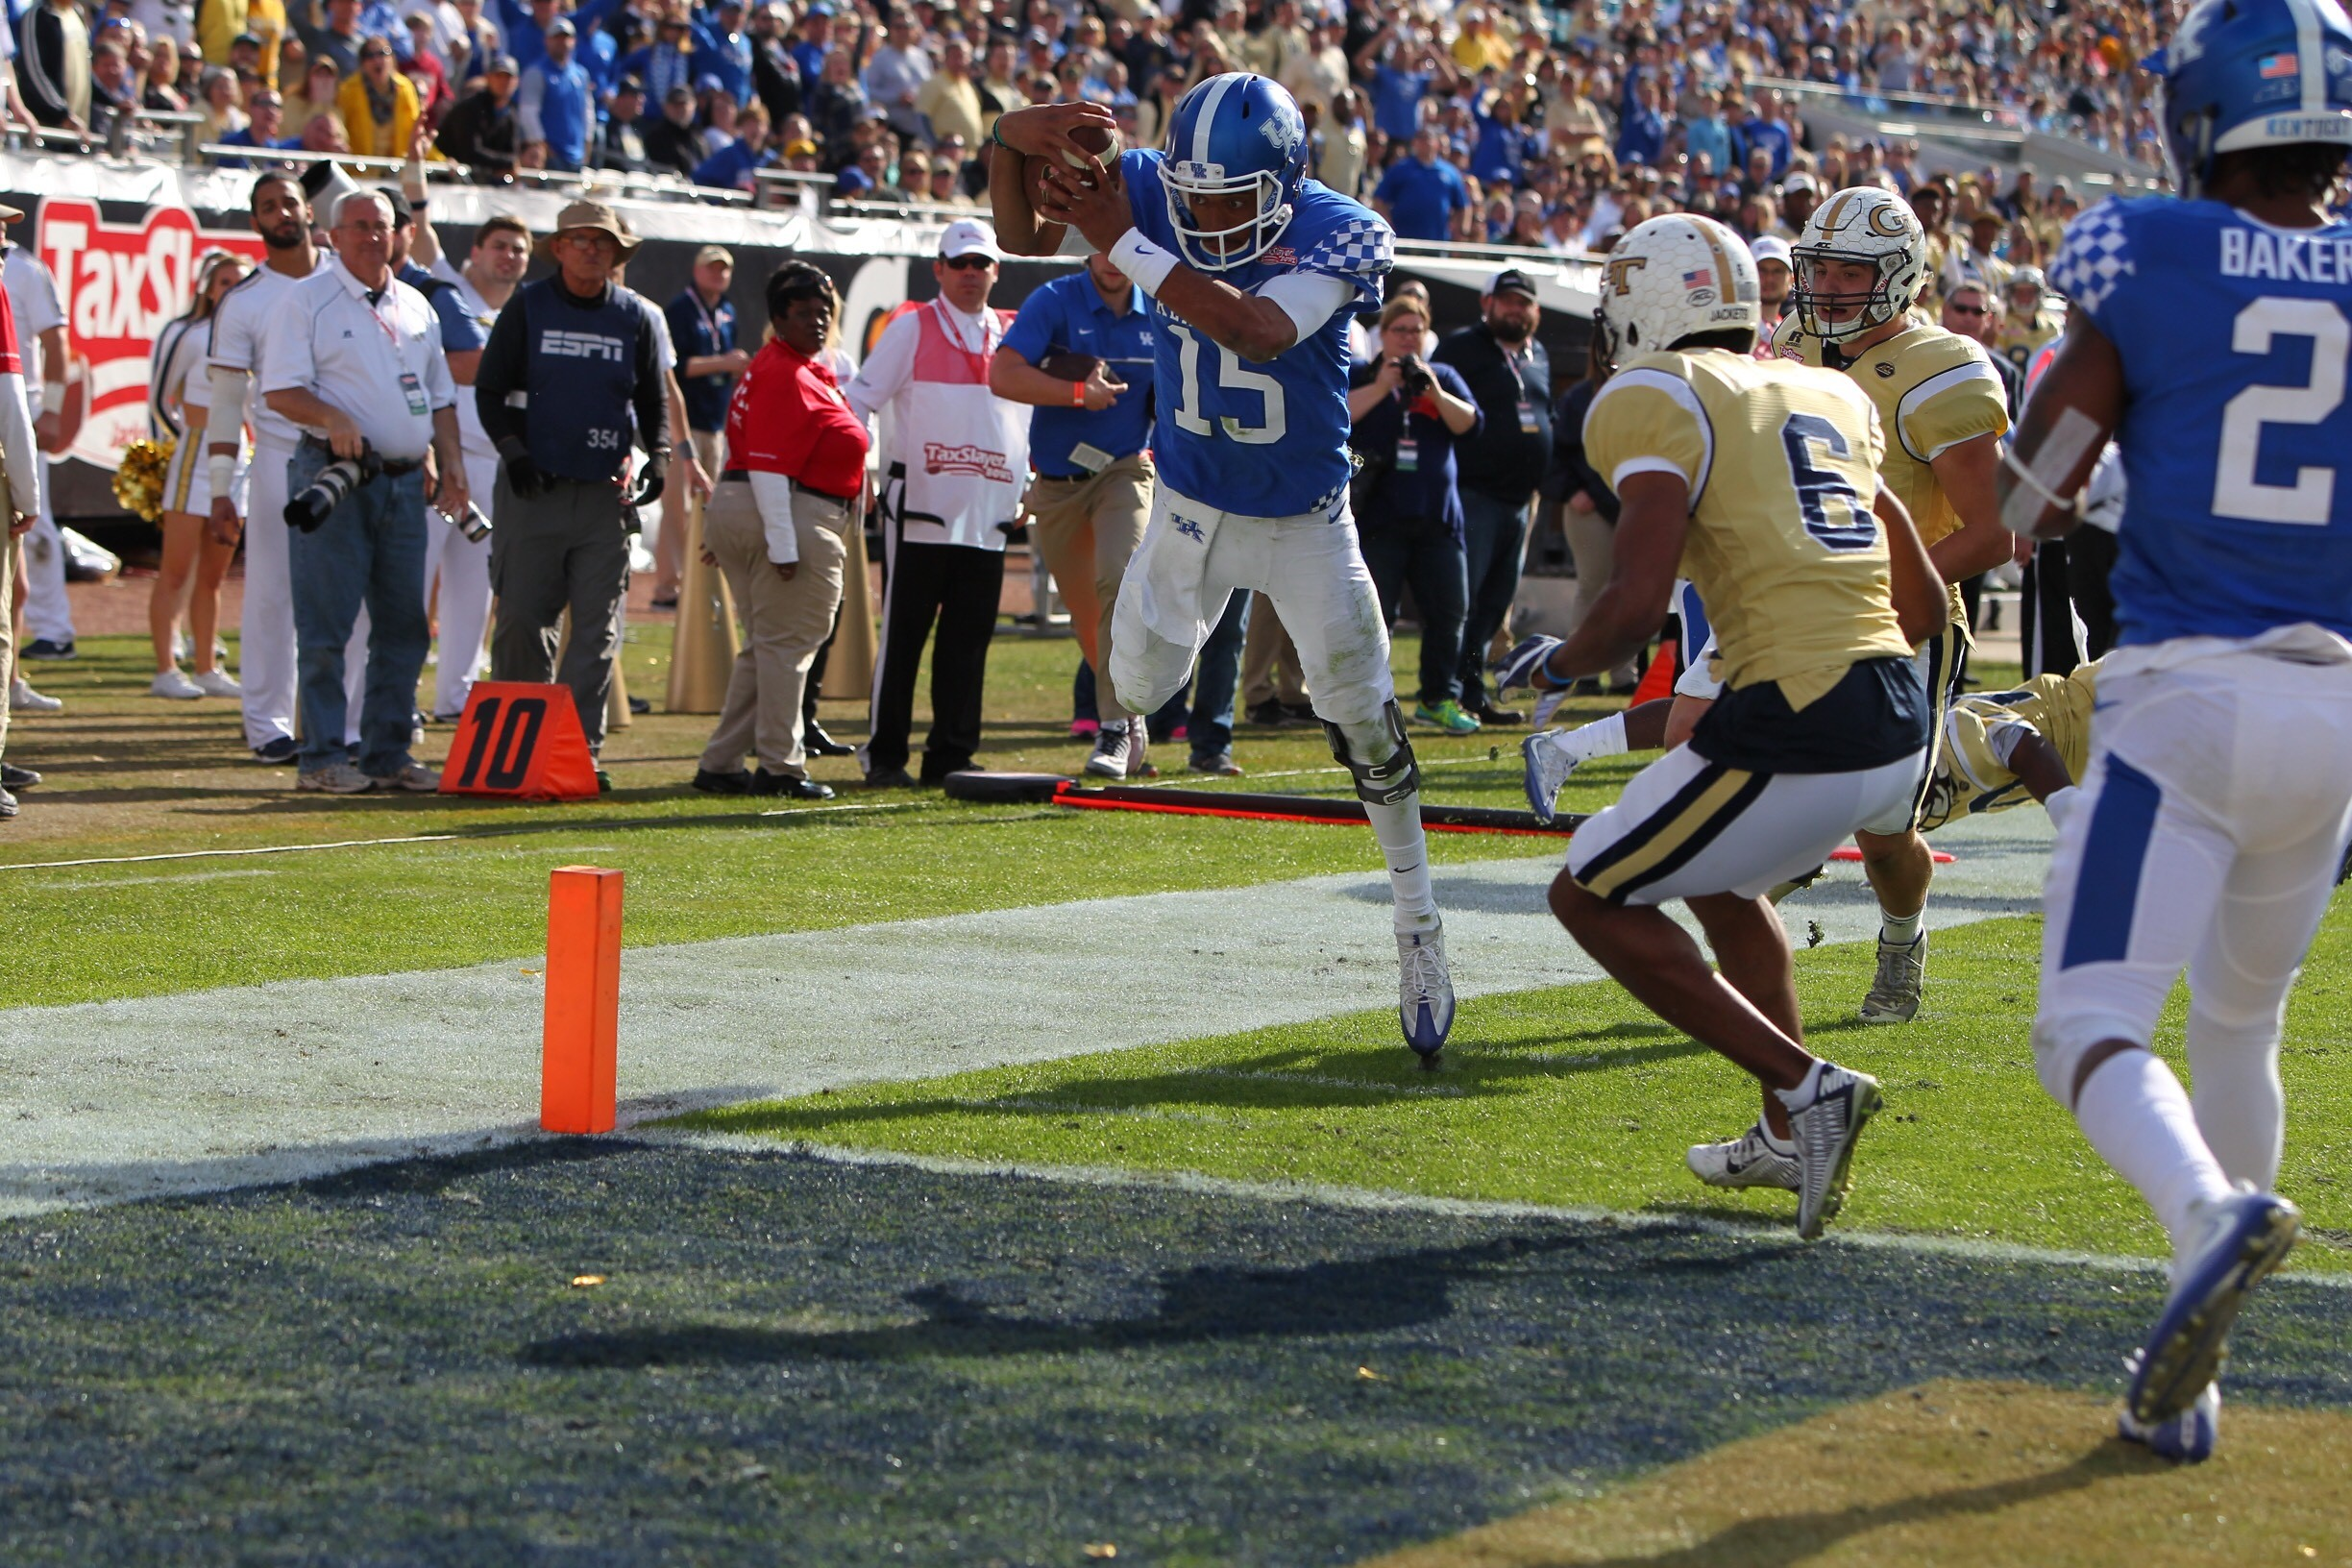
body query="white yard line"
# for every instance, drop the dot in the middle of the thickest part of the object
(106, 1101)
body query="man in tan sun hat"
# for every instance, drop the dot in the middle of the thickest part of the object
(572, 377)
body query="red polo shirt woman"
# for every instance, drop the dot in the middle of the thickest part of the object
(776, 527)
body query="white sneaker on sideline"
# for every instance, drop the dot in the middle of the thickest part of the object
(218, 683)
(335, 778)
(172, 684)
(1425, 990)
(416, 778)
(1824, 1128)
(23, 699)
(1754, 1159)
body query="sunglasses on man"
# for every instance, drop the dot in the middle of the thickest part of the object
(966, 263)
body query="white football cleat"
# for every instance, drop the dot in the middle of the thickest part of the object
(1826, 1126)
(1895, 989)
(23, 699)
(1425, 990)
(2230, 1244)
(1548, 768)
(2187, 1439)
(1754, 1159)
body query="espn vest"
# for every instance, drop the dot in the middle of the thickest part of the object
(580, 370)
(959, 455)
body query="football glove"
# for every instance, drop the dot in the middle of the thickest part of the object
(1518, 667)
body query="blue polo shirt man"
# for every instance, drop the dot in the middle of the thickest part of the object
(1080, 352)
(556, 103)
(1419, 195)
(702, 325)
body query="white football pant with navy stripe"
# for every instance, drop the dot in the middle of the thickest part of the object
(2212, 822)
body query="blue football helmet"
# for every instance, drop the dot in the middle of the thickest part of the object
(2252, 73)
(1232, 135)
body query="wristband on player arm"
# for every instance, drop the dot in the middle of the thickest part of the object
(1146, 265)
(221, 470)
(1077, 394)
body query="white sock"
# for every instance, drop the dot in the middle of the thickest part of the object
(1903, 930)
(2135, 1113)
(1807, 1089)
(1602, 738)
(1406, 847)
(2241, 1107)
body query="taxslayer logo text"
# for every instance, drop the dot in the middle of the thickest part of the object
(119, 284)
(977, 461)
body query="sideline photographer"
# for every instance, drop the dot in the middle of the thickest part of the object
(569, 360)
(1406, 416)
(357, 364)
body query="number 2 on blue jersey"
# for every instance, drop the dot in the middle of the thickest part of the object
(1234, 376)
(2236, 492)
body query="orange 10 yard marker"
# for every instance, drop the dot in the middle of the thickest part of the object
(579, 1042)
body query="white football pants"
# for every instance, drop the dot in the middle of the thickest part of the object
(1309, 566)
(265, 636)
(2213, 818)
(48, 613)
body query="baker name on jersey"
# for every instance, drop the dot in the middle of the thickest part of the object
(980, 461)
(2261, 253)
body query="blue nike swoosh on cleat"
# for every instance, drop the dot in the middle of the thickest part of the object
(2189, 1340)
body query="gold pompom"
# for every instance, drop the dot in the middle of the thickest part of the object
(138, 479)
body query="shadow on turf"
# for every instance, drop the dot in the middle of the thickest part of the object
(1219, 1302)
(1773, 1541)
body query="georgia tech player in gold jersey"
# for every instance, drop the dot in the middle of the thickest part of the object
(1860, 264)
(1759, 481)
(2000, 749)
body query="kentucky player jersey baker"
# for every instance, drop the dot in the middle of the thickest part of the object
(1265, 440)
(2234, 525)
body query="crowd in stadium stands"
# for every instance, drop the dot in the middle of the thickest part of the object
(1548, 125)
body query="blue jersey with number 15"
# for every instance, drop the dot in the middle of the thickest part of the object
(2234, 337)
(1265, 440)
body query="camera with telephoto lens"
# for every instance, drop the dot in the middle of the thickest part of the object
(1414, 376)
(309, 507)
(472, 523)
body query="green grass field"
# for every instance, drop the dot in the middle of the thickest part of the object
(789, 1355)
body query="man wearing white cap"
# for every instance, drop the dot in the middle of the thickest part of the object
(955, 458)
(1773, 275)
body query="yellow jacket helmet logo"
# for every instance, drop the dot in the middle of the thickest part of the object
(1868, 227)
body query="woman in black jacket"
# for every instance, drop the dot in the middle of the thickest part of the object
(1408, 413)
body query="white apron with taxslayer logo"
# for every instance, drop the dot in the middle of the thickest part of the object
(959, 455)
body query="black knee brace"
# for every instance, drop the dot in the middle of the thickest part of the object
(1381, 783)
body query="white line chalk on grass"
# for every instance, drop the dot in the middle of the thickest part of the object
(106, 1101)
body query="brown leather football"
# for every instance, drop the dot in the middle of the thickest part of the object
(1097, 139)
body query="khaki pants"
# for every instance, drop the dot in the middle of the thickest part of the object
(1086, 529)
(784, 624)
(1269, 661)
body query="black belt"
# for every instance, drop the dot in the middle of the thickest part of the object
(739, 476)
(391, 468)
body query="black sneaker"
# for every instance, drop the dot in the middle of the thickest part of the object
(890, 778)
(737, 782)
(818, 744)
(641, 704)
(1302, 714)
(283, 749)
(42, 649)
(789, 787)
(13, 777)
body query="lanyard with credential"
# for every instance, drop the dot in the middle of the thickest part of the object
(978, 360)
